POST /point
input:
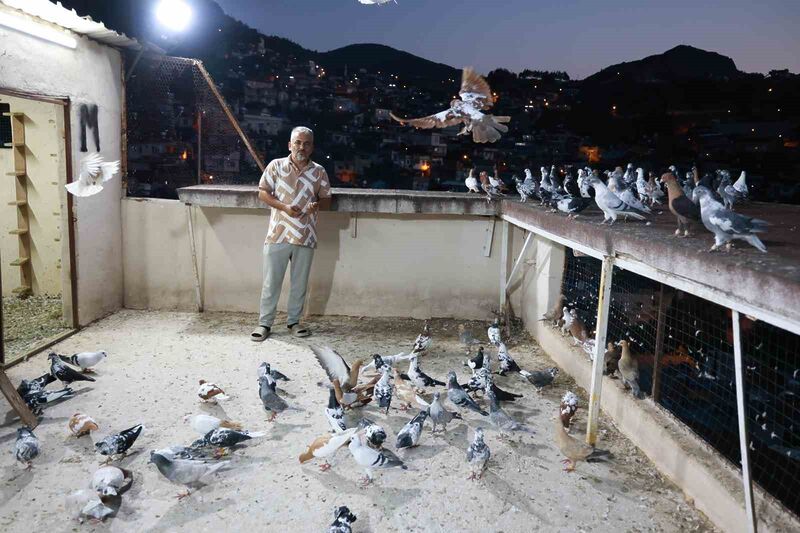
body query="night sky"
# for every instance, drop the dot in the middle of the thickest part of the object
(579, 36)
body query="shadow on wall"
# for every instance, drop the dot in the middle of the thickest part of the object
(330, 228)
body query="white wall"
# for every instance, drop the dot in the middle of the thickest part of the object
(90, 74)
(396, 265)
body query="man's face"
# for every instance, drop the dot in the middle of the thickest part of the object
(301, 146)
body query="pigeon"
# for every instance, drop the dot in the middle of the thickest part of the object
(191, 473)
(267, 391)
(740, 186)
(475, 97)
(494, 332)
(342, 517)
(507, 363)
(64, 373)
(642, 186)
(478, 380)
(80, 425)
(682, 207)
(566, 320)
(110, 481)
(210, 392)
(423, 341)
(409, 435)
(472, 182)
(526, 190)
(334, 413)
(568, 407)
(266, 368)
(478, 455)
(540, 378)
(34, 385)
(202, 424)
(629, 369)
(378, 361)
(91, 506)
(326, 446)
(611, 358)
(554, 313)
(374, 433)
(85, 360)
(571, 205)
(688, 184)
(94, 171)
(573, 449)
(439, 415)
(611, 204)
(727, 225)
(26, 447)
(577, 328)
(492, 192)
(403, 391)
(383, 390)
(497, 183)
(370, 458)
(419, 378)
(37, 401)
(225, 438)
(459, 398)
(119, 443)
(500, 418)
(477, 361)
(655, 190)
(344, 378)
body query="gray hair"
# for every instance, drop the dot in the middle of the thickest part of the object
(301, 129)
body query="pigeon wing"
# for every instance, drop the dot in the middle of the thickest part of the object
(442, 119)
(475, 90)
(332, 363)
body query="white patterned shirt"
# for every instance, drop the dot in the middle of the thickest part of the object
(292, 186)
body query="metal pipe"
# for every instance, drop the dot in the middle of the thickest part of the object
(504, 249)
(603, 305)
(747, 481)
(518, 262)
(194, 259)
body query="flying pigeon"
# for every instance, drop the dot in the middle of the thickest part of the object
(190, 473)
(369, 458)
(342, 517)
(682, 207)
(118, 444)
(389, 360)
(476, 97)
(111, 481)
(472, 182)
(540, 378)
(80, 424)
(439, 415)
(65, 373)
(478, 455)
(727, 225)
(629, 369)
(93, 173)
(611, 205)
(343, 378)
(334, 413)
(419, 378)
(409, 435)
(326, 446)
(459, 398)
(85, 360)
(26, 447)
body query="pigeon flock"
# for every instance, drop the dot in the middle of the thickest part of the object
(380, 386)
(626, 193)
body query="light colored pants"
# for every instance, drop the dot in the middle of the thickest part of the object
(276, 259)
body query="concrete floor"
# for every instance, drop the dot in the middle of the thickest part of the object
(150, 377)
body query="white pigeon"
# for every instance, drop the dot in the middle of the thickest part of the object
(496, 183)
(567, 318)
(472, 182)
(94, 172)
(641, 184)
(110, 480)
(611, 204)
(494, 333)
(203, 424)
(741, 184)
(370, 458)
(85, 360)
(476, 97)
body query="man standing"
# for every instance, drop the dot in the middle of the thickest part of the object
(295, 188)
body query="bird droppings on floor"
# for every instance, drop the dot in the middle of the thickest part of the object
(151, 374)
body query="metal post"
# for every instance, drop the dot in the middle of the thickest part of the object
(518, 262)
(660, 326)
(747, 481)
(199, 153)
(194, 259)
(603, 304)
(504, 249)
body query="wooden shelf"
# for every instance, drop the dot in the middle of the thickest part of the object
(19, 231)
(19, 203)
(14, 145)
(20, 261)
(16, 173)
(21, 290)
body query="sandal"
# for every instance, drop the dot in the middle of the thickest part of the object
(298, 330)
(260, 334)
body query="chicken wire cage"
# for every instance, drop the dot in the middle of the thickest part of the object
(684, 347)
(178, 133)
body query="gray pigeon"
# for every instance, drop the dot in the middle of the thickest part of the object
(500, 418)
(410, 433)
(459, 398)
(611, 204)
(478, 455)
(190, 473)
(540, 378)
(266, 368)
(26, 448)
(727, 225)
(269, 396)
(370, 458)
(439, 415)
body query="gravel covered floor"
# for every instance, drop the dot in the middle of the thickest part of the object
(151, 375)
(28, 321)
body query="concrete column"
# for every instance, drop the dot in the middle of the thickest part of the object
(542, 283)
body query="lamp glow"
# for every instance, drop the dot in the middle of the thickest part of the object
(174, 14)
(40, 31)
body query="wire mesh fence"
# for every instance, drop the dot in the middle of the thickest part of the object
(683, 345)
(178, 133)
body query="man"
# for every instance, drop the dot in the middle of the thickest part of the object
(295, 188)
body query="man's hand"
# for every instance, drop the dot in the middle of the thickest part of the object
(312, 208)
(291, 210)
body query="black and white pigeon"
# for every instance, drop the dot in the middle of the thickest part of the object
(478, 455)
(26, 447)
(477, 361)
(27, 386)
(85, 360)
(265, 368)
(501, 420)
(540, 378)
(383, 390)
(423, 341)
(610, 204)
(334, 413)
(526, 189)
(120, 443)
(409, 435)
(494, 332)
(439, 415)
(225, 438)
(190, 473)
(475, 98)
(37, 401)
(419, 378)
(507, 363)
(342, 520)
(459, 398)
(571, 205)
(374, 433)
(727, 225)
(267, 391)
(379, 361)
(370, 458)
(64, 373)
